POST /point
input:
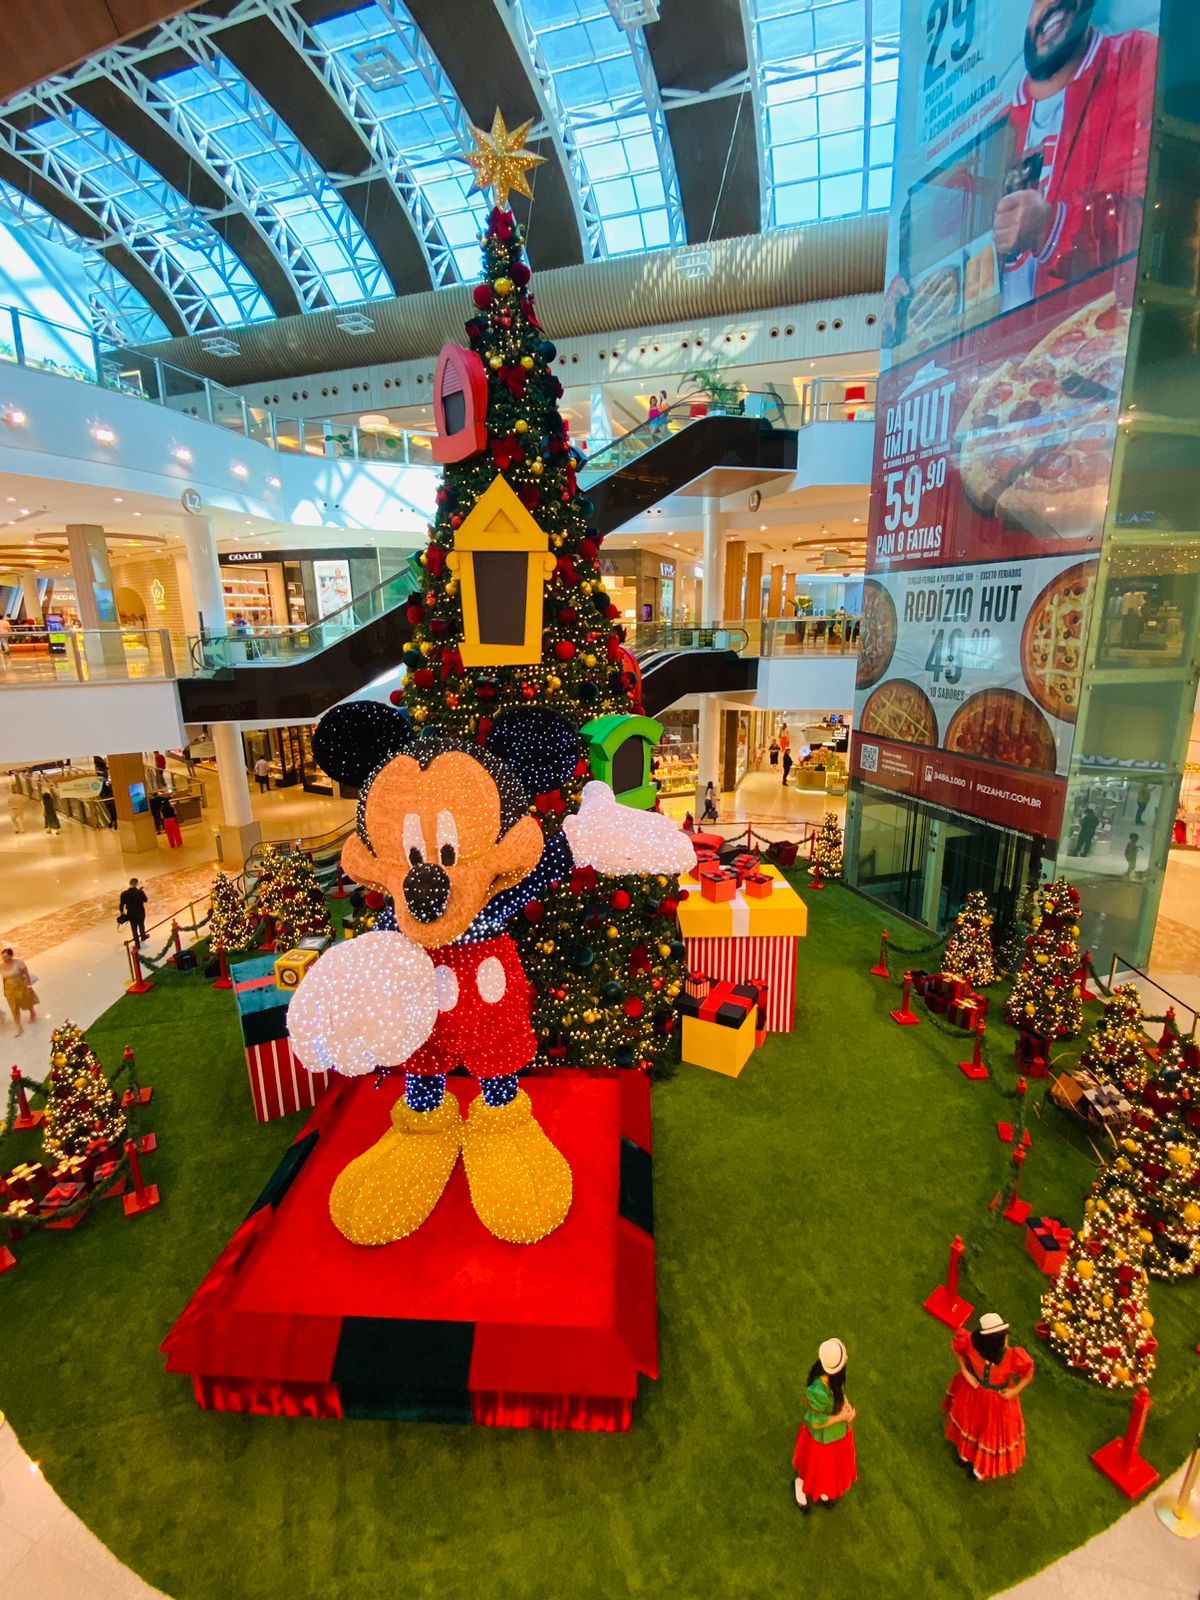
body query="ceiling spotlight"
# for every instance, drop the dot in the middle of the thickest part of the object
(103, 434)
(240, 470)
(118, 500)
(182, 453)
(15, 417)
(274, 483)
(137, 513)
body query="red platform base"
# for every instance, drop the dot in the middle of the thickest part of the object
(906, 1019)
(1134, 1477)
(953, 1311)
(144, 987)
(970, 1070)
(450, 1324)
(24, 1124)
(1017, 1212)
(147, 1144)
(135, 1204)
(7, 1260)
(142, 1099)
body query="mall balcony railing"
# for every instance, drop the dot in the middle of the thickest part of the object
(810, 636)
(33, 657)
(654, 638)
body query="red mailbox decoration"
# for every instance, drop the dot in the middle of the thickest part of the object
(459, 404)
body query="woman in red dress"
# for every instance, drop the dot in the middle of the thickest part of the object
(982, 1405)
(824, 1455)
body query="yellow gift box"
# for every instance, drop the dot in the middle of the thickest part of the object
(290, 968)
(781, 914)
(717, 1047)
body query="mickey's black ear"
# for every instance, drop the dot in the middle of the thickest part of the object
(541, 747)
(353, 738)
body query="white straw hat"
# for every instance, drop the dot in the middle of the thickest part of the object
(989, 1322)
(832, 1355)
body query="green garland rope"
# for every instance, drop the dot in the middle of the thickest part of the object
(37, 1091)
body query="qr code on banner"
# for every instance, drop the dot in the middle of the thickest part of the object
(869, 757)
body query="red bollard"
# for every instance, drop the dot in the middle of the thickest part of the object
(944, 1303)
(144, 1196)
(1120, 1460)
(341, 892)
(224, 981)
(906, 1017)
(975, 1069)
(25, 1118)
(268, 943)
(7, 1260)
(140, 984)
(178, 944)
(144, 1091)
(1017, 1210)
(815, 877)
(880, 969)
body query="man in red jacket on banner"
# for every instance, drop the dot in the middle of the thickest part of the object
(1082, 122)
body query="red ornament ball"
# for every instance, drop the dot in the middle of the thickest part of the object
(415, 614)
(620, 900)
(534, 911)
(397, 697)
(567, 614)
(634, 1007)
(375, 899)
(423, 677)
(564, 650)
(483, 295)
(519, 273)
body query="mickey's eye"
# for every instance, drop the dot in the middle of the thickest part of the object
(414, 840)
(447, 838)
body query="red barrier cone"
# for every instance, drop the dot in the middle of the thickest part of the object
(224, 981)
(944, 1303)
(975, 1069)
(1017, 1210)
(880, 969)
(7, 1260)
(1121, 1461)
(144, 1196)
(25, 1118)
(906, 1017)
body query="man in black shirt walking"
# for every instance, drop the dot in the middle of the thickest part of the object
(132, 910)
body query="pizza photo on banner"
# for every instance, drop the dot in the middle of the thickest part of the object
(1022, 148)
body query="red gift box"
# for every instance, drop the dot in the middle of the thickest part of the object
(29, 1181)
(697, 984)
(706, 858)
(62, 1194)
(1047, 1241)
(757, 886)
(964, 1013)
(717, 883)
(707, 841)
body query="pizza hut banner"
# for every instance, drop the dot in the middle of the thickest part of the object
(982, 664)
(1022, 138)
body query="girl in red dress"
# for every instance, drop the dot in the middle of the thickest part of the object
(982, 1405)
(824, 1455)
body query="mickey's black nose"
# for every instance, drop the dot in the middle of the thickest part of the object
(427, 891)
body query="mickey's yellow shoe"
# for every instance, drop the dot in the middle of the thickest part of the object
(386, 1193)
(520, 1184)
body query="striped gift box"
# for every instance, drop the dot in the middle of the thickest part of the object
(279, 1083)
(771, 961)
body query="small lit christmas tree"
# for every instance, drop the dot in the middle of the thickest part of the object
(1099, 1321)
(826, 861)
(1011, 951)
(1045, 992)
(291, 896)
(969, 948)
(1158, 1161)
(1116, 1050)
(81, 1106)
(232, 926)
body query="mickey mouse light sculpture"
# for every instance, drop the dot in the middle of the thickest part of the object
(444, 827)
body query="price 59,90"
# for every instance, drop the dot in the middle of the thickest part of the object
(903, 491)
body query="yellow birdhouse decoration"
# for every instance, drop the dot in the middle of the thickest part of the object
(502, 559)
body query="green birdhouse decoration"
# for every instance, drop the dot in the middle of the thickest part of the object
(619, 749)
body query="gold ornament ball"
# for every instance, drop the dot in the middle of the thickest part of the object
(553, 683)
(503, 286)
(1107, 1302)
(495, 362)
(1086, 1269)
(520, 426)
(586, 586)
(664, 950)
(589, 661)
(613, 933)
(60, 1059)
(1191, 1214)
(536, 468)
(419, 713)
(1062, 1332)
(1147, 1319)
(547, 947)
(527, 363)
(1122, 1375)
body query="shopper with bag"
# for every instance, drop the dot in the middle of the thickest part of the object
(18, 988)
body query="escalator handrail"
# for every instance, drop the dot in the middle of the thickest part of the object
(645, 435)
(672, 640)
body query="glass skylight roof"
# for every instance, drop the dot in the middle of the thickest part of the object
(140, 209)
(329, 258)
(600, 84)
(407, 94)
(827, 86)
(120, 314)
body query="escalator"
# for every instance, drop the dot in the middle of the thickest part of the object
(298, 674)
(676, 662)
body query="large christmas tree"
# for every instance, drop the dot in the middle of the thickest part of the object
(291, 896)
(1097, 1313)
(1045, 994)
(827, 850)
(232, 926)
(603, 954)
(969, 948)
(81, 1107)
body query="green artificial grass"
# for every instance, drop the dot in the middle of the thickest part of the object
(814, 1196)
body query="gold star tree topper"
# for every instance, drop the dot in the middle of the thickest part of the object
(500, 161)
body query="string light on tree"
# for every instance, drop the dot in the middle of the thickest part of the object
(969, 948)
(290, 894)
(81, 1107)
(1045, 994)
(826, 864)
(1116, 1051)
(232, 926)
(1097, 1312)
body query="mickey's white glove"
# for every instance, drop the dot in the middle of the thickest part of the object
(367, 1003)
(616, 839)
